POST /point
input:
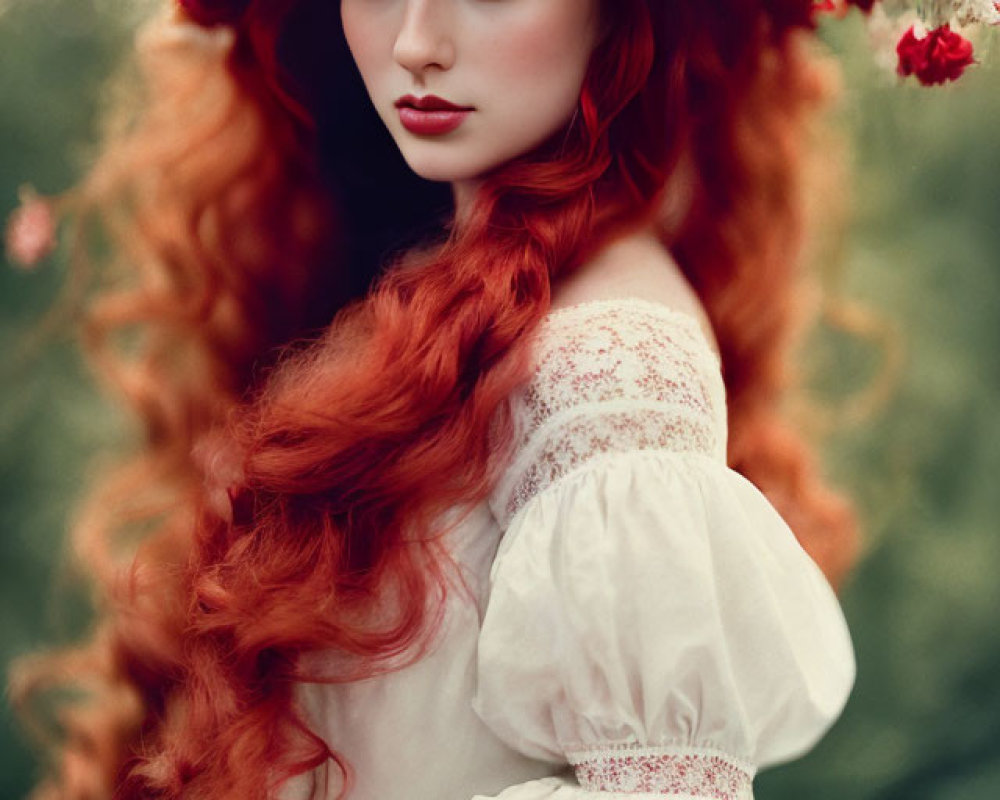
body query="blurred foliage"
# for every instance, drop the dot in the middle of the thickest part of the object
(56, 57)
(921, 249)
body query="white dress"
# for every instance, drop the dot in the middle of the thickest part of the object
(641, 622)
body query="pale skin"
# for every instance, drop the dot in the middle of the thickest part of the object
(517, 66)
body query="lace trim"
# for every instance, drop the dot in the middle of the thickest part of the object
(633, 303)
(571, 444)
(616, 349)
(612, 375)
(675, 771)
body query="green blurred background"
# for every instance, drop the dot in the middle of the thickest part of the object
(921, 251)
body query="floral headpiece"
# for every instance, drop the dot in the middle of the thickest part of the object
(926, 46)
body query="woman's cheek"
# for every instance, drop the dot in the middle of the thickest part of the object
(545, 56)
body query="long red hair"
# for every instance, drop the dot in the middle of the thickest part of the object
(322, 354)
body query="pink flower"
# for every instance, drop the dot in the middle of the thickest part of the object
(942, 55)
(31, 231)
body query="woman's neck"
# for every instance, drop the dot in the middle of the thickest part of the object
(464, 193)
(636, 265)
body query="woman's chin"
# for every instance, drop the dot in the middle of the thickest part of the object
(434, 170)
(444, 162)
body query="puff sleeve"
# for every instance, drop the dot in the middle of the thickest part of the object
(652, 621)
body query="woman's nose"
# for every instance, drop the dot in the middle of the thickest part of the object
(424, 40)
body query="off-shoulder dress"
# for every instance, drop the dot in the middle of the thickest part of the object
(641, 623)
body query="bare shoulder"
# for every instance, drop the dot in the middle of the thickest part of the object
(635, 266)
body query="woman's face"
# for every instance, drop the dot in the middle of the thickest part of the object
(511, 68)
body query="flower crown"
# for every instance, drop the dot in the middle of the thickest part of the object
(925, 44)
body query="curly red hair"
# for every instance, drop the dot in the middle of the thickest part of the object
(325, 355)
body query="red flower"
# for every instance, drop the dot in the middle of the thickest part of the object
(942, 55)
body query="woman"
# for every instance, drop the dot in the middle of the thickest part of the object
(462, 335)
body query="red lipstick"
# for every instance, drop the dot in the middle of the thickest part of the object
(430, 115)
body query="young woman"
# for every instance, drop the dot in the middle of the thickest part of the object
(459, 330)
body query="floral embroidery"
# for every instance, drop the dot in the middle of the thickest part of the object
(612, 376)
(682, 772)
(578, 440)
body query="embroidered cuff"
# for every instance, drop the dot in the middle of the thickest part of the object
(677, 772)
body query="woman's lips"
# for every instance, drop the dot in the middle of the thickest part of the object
(431, 123)
(430, 115)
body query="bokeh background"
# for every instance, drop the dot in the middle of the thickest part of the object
(921, 251)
